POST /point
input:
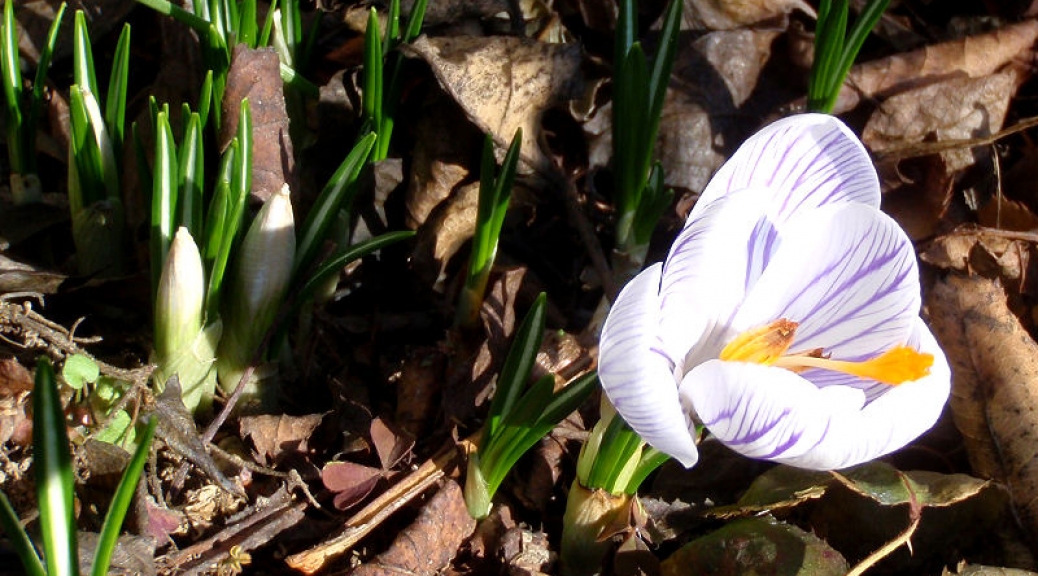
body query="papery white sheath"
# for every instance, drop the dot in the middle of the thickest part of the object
(785, 318)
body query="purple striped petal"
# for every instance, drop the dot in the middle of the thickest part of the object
(706, 275)
(848, 275)
(808, 160)
(637, 376)
(774, 414)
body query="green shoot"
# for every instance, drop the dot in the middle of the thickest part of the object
(494, 194)
(335, 197)
(53, 472)
(638, 96)
(94, 147)
(21, 111)
(381, 98)
(836, 50)
(518, 420)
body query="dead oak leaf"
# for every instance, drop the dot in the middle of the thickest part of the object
(505, 83)
(994, 398)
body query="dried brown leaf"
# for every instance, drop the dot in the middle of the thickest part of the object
(427, 545)
(728, 14)
(994, 397)
(418, 389)
(953, 109)
(277, 435)
(984, 252)
(444, 233)
(974, 57)
(526, 552)
(756, 545)
(176, 428)
(476, 363)
(35, 17)
(504, 83)
(438, 165)
(256, 75)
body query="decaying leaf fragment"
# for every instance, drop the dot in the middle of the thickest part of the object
(756, 545)
(994, 397)
(986, 252)
(972, 57)
(505, 83)
(428, 544)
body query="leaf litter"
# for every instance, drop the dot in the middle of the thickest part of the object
(388, 393)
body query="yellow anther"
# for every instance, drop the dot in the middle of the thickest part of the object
(762, 345)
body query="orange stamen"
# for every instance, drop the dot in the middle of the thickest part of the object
(768, 345)
(895, 366)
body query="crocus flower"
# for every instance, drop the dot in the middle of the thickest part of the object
(785, 318)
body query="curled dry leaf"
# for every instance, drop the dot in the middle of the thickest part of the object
(994, 397)
(256, 75)
(504, 83)
(427, 546)
(974, 56)
(726, 14)
(438, 165)
(985, 252)
(443, 234)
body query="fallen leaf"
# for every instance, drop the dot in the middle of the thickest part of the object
(176, 428)
(953, 109)
(986, 252)
(430, 542)
(438, 165)
(418, 389)
(35, 17)
(725, 14)
(504, 83)
(756, 546)
(445, 231)
(276, 436)
(994, 397)
(256, 75)
(974, 57)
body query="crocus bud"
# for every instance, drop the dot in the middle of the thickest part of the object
(262, 273)
(182, 346)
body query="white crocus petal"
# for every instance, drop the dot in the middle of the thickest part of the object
(706, 275)
(847, 274)
(809, 160)
(637, 377)
(773, 414)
